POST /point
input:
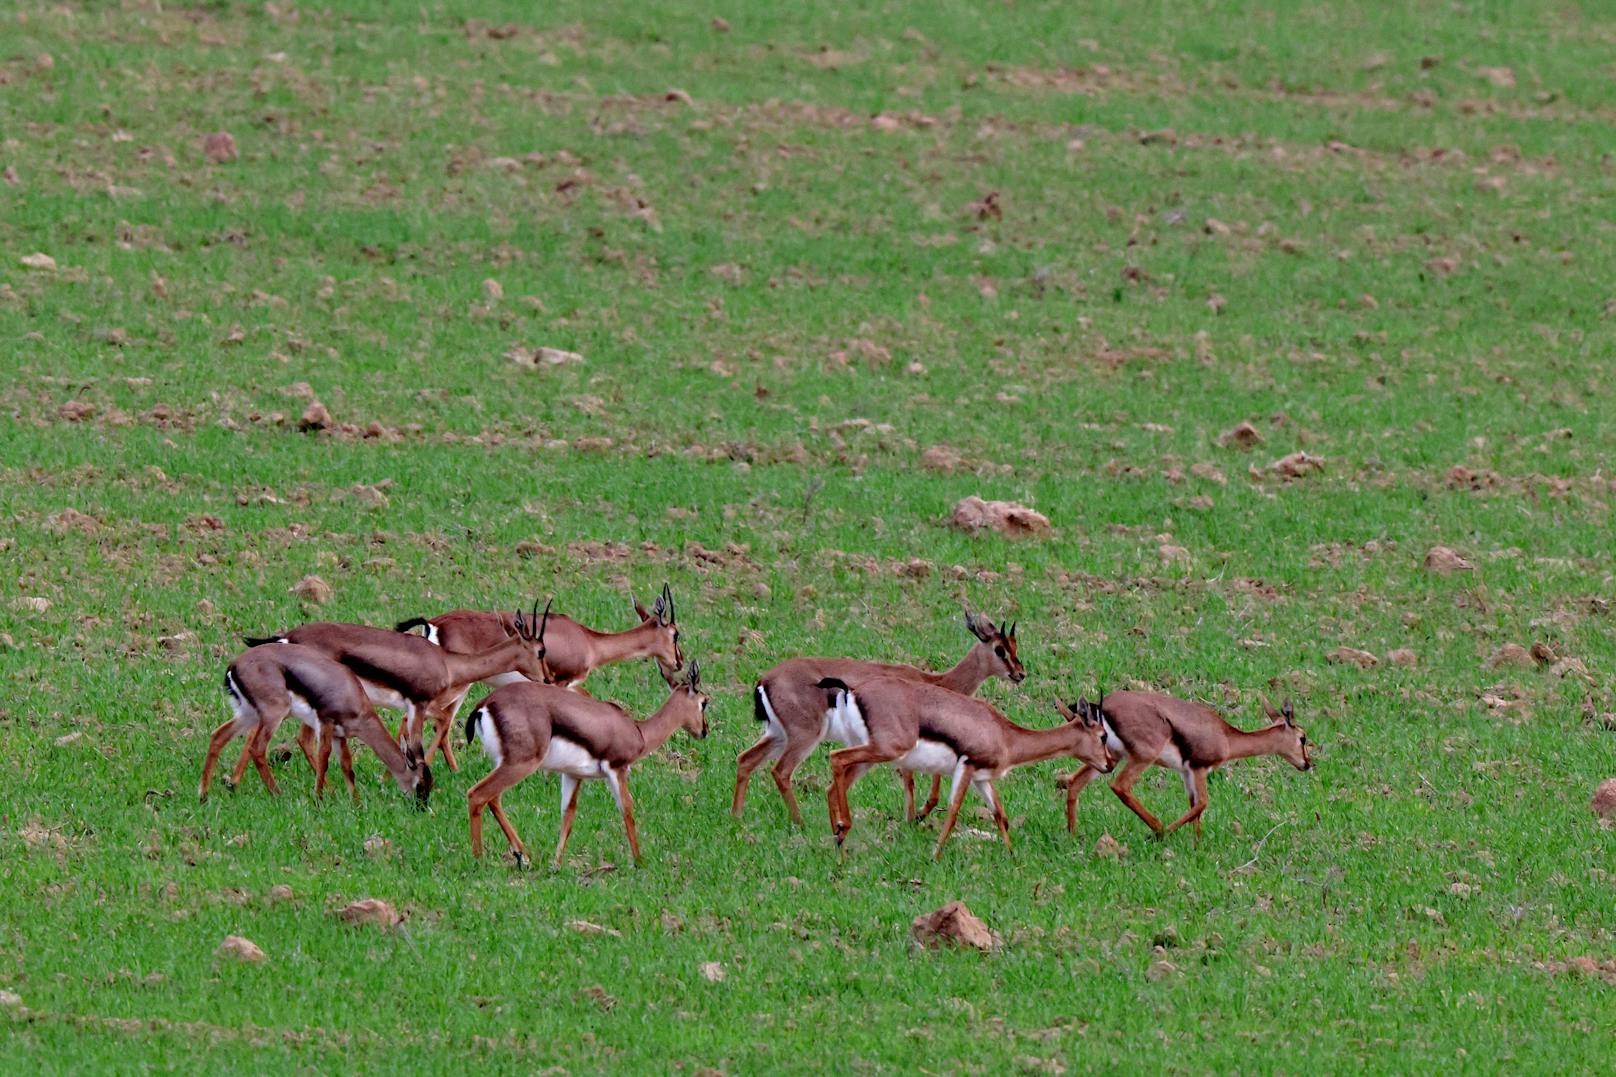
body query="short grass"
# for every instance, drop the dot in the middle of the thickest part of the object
(1383, 237)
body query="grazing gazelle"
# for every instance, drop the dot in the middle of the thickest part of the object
(407, 673)
(930, 729)
(528, 727)
(1148, 729)
(792, 707)
(572, 650)
(268, 682)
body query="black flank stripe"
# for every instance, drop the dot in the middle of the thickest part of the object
(930, 732)
(369, 671)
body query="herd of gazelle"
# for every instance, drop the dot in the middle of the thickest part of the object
(329, 676)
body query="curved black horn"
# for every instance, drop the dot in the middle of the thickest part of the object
(546, 622)
(521, 629)
(669, 592)
(695, 675)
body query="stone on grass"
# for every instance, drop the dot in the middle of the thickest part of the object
(953, 925)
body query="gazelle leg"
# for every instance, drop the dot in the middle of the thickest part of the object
(1074, 786)
(221, 737)
(239, 771)
(322, 761)
(258, 745)
(931, 801)
(308, 740)
(486, 794)
(569, 808)
(990, 793)
(1123, 788)
(764, 750)
(907, 777)
(618, 780)
(345, 754)
(790, 759)
(847, 765)
(1195, 785)
(956, 797)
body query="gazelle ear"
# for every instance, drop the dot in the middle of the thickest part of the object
(639, 610)
(1287, 713)
(1268, 709)
(693, 683)
(981, 629)
(1066, 712)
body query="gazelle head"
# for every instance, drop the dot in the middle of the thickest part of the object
(417, 778)
(1089, 746)
(660, 617)
(530, 630)
(1293, 744)
(1002, 644)
(694, 700)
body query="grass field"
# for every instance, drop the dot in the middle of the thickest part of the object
(1064, 248)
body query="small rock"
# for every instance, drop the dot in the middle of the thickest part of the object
(1461, 890)
(586, 927)
(69, 738)
(38, 261)
(599, 996)
(955, 925)
(76, 411)
(1510, 655)
(720, 26)
(1242, 435)
(492, 289)
(915, 568)
(370, 911)
(237, 948)
(713, 971)
(1160, 970)
(315, 418)
(33, 603)
(1404, 657)
(1109, 847)
(378, 847)
(974, 515)
(1343, 656)
(179, 641)
(10, 998)
(1443, 560)
(313, 589)
(219, 147)
(942, 458)
(1604, 802)
(278, 893)
(1297, 465)
(1174, 555)
(679, 96)
(1583, 964)
(1543, 653)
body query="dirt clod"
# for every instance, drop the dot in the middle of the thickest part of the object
(953, 925)
(315, 418)
(1604, 802)
(1444, 560)
(1006, 517)
(1404, 657)
(75, 411)
(1297, 465)
(1242, 435)
(236, 948)
(589, 927)
(712, 971)
(1351, 656)
(1110, 848)
(313, 589)
(1510, 656)
(219, 147)
(38, 261)
(370, 911)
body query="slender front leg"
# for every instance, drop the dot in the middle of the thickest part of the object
(258, 745)
(956, 797)
(618, 780)
(990, 793)
(764, 750)
(569, 808)
(931, 801)
(486, 794)
(247, 754)
(1074, 786)
(328, 733)
(793, 756)
(1195, 780)
(1123, 788)
(346, 755)
(907, 777)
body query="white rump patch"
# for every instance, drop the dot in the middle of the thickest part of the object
(771, 721)
(488, 735)
(238, 700)
(929, 757)
(567, 757)
(844, 722)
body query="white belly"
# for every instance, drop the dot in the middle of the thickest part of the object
(1112, 742)
(844, 723)
(928, 757)
(566, 757)
(383, 696)
(1170, 758)
(500, 680)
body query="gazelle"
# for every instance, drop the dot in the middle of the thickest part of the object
(408, 673)
(792, 707)
(528, 727)
(572, 650)
(266, 683)
(1149, 729)
(927, 728)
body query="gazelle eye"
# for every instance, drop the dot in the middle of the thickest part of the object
(999, 650)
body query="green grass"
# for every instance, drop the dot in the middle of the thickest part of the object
(1416, 275)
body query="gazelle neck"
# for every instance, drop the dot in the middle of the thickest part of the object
(501, 658)
(1037, 745)
(1244, 744)
(655, 730)
(608, 647)
(966, 677)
